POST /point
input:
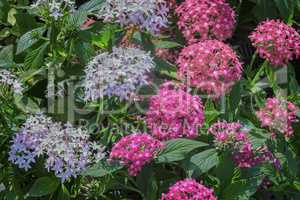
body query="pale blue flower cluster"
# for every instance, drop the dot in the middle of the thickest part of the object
(56, 8)
(10, 80)
(149, 15)
(117, 74)
(67, 149)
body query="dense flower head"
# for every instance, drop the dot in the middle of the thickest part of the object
(9, 79)
(211, 66)
(135, 150)
(228, 134)
(118, 73)
(276, 41)
(233, 137)
(174, 113)
(26, 144)
(56, 8)
(150, 15)
(205, 19)
(278, 115)
(66, 149)
(189, 189)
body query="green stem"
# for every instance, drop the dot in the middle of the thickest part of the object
(259, 73)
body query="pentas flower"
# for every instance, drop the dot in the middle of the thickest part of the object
(205, 19)
(276, 42)
(66, 149)
(10, 80)
(118, 74)
(233, 137)
(135, 150)
(174, 113)
(228, 134)
(189, 189)
(55, 8)
(211, 66)
(278, 115)
(150, 15)
(26, 145)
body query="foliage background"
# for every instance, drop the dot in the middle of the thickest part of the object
(40, 52)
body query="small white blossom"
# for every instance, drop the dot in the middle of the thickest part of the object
(150, 15)
(118, 74)
(11, 80)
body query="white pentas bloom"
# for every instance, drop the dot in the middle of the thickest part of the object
(118, 74)
(56, 8)
(66, 149)
(10, 80)
(150, 15)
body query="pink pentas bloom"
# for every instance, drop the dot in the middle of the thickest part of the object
(189, 189)
(135, 150)
(276, 42)
(205, 19)
(228, 134)
(278, 115)
(174, 113)
(211, 66)
(233, 137)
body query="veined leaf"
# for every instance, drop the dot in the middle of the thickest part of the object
(92, 5)
(205, 160)
(29, 38)
(35, 58)
(101, 169)
(177, 149)
(43, 186)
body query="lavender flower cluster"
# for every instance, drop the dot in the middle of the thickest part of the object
(118, 73)
(56, 8)
(10, 80)
(67, 149)
(149, 15)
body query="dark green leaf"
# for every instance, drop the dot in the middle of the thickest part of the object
(6, 56)
(29, 38)
(166, 44)
(205, 160)
(101, 169)
(43, 186)
(176, 150)
(92, 5)
(35, 58)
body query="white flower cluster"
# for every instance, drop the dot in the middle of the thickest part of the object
(150, 15)
(56, 8)
(9, 79)
(67, 149)
(118, 73)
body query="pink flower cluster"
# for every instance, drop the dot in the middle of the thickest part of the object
(189, 189)
(211, 66)
(278, 115)
(277, 42)
(134, 151)
(232, 136)
(228, 134)
(174, 113)
(248, 157)
(205, 19)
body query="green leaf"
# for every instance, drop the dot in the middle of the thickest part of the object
(101, 169)
(6, 56)
(205, 160)
(43, 186)
(35, 58)
(84, 51)
(177, 149)
(166, 44)
(77, 19)
(92, 5)
(63, 193)
(285, 7)
(29, 38)
(4, 8)
(242, 189)
(11, 16)
(147, 184)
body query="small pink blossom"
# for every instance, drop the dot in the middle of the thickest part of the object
(211, 66)
(276, 42)
(278, 115)
(174, 113)
(189, 189)
(134, 151)
(205, 19)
